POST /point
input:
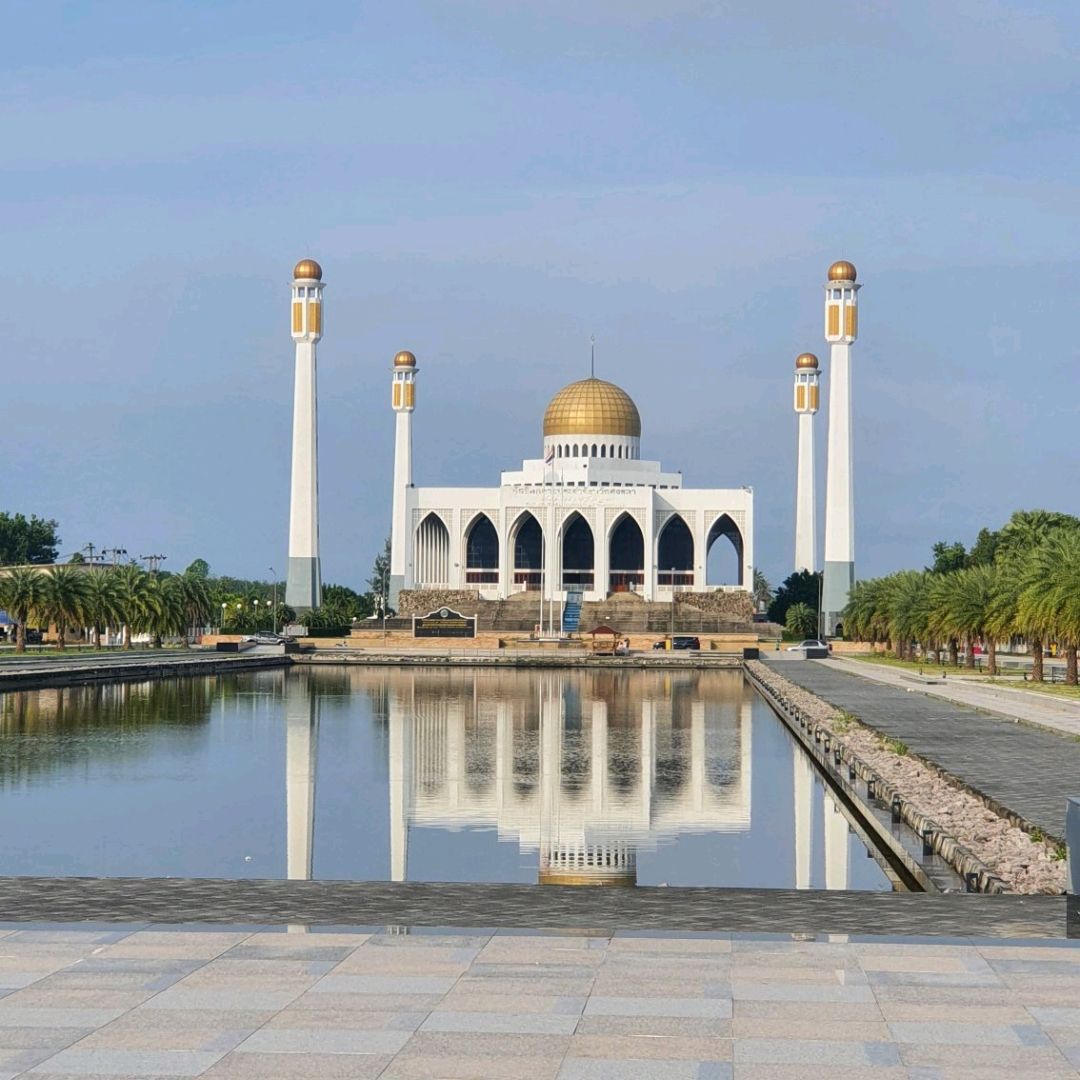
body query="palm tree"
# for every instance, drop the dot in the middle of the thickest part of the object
(908, 608)
(139, 600)
(195, 599)
(960, 605)
(19, 591)
(102, 602)
(864, 616)
(801, 619)
(1050, 599)
(62, 599)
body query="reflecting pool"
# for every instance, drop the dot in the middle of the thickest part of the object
(428, 774)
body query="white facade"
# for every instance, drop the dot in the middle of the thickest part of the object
(595, 517)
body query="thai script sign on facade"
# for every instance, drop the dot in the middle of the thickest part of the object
(444, 623)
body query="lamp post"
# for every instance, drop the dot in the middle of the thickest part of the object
(273, 574)
(223, 607)
(256, 616)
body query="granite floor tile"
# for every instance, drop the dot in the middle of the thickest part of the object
(43, 997)
(145, 1018)
(855, 995)
(180, 997)
(51, 1039)
(818, 975)
(384, 984)
(298, 1067)
(227, 967)
(815, 1052)
(289, 950)
(1020, 1061)
(838, 1012)
(669, 946)
(946, 996)
(323, 1041)
(79, 978)
(319, 1001)
(56, 1018)
(688, 1027)
(921, 961)
(76, 1062)
(203, 1039)
(472, 1001)
(771, 1071)
(718, 1008)
(469, 1067)
(651, 1047)
(1060, 1017)
(492, 1045)
(961, 1014)
(351, 1019)
(644, 1069)
(790, 1027)
(957, 1034)
(500, 1022)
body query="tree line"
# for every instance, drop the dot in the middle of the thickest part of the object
(127, 596)
(1018, 584)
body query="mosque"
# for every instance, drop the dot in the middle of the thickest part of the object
(589, 516)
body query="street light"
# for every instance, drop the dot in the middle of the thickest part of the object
(256, 616)
(223, 607)
(273, 574)
(672, 607)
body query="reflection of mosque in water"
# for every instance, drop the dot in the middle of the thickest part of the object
(585, 769)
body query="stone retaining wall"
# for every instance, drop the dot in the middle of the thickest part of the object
(736, 605)
(423, 601)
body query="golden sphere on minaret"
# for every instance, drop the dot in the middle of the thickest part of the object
(404, 359)
(307, 270)
(805, 360)
(842, 270)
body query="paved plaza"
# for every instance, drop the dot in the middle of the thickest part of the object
(120, 1001)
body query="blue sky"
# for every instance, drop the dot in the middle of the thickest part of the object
(488, 183)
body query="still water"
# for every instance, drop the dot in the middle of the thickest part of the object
(434, 774)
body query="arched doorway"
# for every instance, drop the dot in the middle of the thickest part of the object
(720, 567)
(675, 554)
(432, 553)
(626, 556)
(528, 542)
(482, 552)
(578, 553)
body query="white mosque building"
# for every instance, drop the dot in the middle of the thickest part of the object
(588, 516)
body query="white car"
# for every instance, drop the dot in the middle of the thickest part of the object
(809, 643)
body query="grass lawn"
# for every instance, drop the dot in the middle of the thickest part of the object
(923, 666)
(1053, 689)
(72, 652)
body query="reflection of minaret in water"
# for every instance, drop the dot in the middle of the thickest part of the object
(301, 749)
(804, 815)
(836, 844)
(400, 711)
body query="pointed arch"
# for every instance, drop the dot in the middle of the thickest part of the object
(481, 552)
(675, 553)
(626, 555)
(719, 570)
(432, 553)
(578, 553)
(527, 545)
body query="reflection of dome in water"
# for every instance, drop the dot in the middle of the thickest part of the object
(592, 407)
(591, 864)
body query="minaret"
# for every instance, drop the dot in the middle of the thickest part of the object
(403, 399)
(806, 406)
(841, 330)
(303, 590)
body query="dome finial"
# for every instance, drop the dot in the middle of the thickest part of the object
(405, 359)
(805, 360)
(307, 270)
(842, 270)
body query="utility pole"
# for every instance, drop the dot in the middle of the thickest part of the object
(115, 552)
(90, 549)
(153, 562)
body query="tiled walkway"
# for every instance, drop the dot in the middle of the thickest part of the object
(222, 1004)
(1028, 770)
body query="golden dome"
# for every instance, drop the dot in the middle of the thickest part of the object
(404, 359)
(805, 360)
(307, 270)
(842, 271)
(592, 407)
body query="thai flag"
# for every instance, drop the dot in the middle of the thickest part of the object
(549, 457)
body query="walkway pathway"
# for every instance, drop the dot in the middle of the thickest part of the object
(1028, 770)
(1046, 710)
(228, 1004)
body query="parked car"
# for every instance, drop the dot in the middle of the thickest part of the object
(679, 641)
(266, 637)
(809, 643)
